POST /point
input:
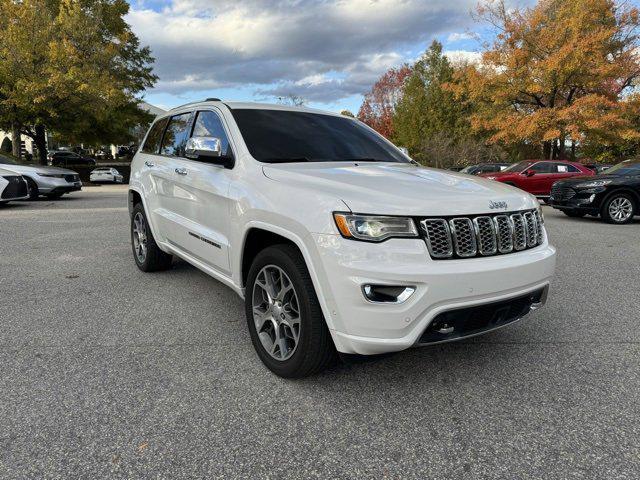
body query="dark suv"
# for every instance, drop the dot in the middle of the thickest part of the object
(63, 158)
(614, 195)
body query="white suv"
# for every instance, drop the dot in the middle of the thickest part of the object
(334, 237)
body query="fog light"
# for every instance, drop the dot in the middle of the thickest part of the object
(592, 198)
(387, 293)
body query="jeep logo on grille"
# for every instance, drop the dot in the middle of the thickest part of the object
(496, 205)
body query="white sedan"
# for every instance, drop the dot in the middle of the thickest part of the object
(12, 186)
(106, 174)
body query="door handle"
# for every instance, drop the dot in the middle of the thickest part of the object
(149, 164)
(181, 171)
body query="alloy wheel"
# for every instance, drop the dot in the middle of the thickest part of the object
(620, 209)
(140, 237)
(276, 312)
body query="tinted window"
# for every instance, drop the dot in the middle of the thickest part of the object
(543, 167)
(176, 135)
(518, 167)
(152, 143)
(208, 124)
(628, 167)
(279, 136)
(565, 168)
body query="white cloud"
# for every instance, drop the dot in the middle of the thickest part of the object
(463, 56)
(295, 44)
(456, 37)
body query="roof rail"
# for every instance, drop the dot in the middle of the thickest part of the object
(213, 99)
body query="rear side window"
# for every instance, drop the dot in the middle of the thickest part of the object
(208, 124)
(176, 136)
(152, 143)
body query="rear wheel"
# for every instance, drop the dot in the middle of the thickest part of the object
(146, 253)
(284, 317)
(619, 208)
(574, 213)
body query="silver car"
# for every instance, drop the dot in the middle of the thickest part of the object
(52, 182)
(12, 186)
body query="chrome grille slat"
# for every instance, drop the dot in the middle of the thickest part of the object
(438, 237)
(519, 232)
(482, 235)
(464, 238)
(532, 228)
(486, 235)
(504, 229)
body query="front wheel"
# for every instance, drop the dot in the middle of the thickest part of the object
(284, 317)
(574, 213)
(620, 208)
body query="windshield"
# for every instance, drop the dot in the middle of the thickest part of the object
(628, 167)
(518, 167)
(276, 136)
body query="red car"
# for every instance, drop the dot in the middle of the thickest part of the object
(537, 176)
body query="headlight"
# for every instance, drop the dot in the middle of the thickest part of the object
(51, 175)
(373, 228)
(594, 183)
(541, 216)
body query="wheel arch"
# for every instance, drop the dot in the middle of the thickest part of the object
(251, 246)
(622, 189)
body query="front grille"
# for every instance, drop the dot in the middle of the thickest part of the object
(72, 178)
(17, 187)
(482, 235)
(562, 193)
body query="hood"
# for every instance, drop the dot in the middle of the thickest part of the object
(26, 169)
(498, 174)
(401, 189)
(593, 178)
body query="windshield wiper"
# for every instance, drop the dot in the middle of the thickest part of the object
(286, 159)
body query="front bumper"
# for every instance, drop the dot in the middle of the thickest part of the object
(587, 200)
(362, 327)
(56, 185)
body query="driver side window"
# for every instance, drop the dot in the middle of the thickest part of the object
(208, 124)
(541, 167)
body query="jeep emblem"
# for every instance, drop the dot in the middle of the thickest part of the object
(495, 205)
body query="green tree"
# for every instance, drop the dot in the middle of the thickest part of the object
(72, 67)
(428, 110)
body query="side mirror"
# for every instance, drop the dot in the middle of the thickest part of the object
(200, 148)
(529, 173)
(207, 149)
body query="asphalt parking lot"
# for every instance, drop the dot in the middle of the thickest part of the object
(107, 372)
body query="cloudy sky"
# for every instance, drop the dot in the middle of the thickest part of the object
(327, 51)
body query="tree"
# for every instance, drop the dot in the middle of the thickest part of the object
(558, 72)
(377, 109)
(74, 68)
(347, 113)
(428, 111)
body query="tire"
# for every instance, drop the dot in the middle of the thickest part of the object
(313, 351)
(33, 189)
(619, 208)
(574, 213)
(54, 196)
(146, 253)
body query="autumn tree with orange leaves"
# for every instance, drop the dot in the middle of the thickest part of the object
(558, 74)
(379, 104)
